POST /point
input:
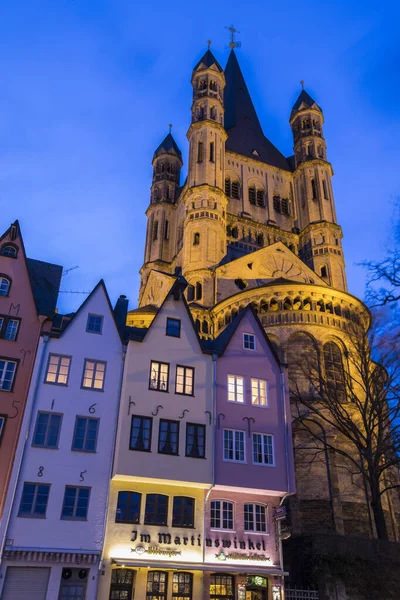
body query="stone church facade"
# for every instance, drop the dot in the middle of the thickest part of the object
(250, 226)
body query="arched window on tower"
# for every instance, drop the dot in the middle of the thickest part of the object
(277, 203)
(199, 291)
(156, 195)
(324, 271)
(285, 206)
(196, 239)
(260, 197)
(252, 194)
(334, 373)
(235, 190)
(200, 152)
(190, 293)
(166, 229)
(155, 230)
(325, 188)
(314, 189)
(228, 186)
(213, 113)
(235, 232)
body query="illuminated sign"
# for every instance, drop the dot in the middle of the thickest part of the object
(238, 556)
(257, 580)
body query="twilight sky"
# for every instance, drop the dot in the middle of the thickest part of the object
(88, 88)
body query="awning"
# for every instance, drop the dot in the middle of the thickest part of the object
(213, 567)
(54, 556)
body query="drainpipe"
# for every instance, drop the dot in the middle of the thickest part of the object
(30, 420)
(214, 413)
(124, 348)
(286, 427)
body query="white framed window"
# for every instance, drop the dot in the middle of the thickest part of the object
(221, 514)
(235, 388)
(159, 376)
(234, 445)
(249, 341)
(259, 392)
(184, 380)
(263, 449)
(7, 374)
(58, 369)
(93, 374)
(255, 518)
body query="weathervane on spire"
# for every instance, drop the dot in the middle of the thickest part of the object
(170, 127)
(208, 43)
(233, 43)
(302, 84)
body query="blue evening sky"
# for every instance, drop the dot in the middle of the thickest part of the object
(88, 88)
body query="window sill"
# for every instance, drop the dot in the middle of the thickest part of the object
(79, 519)
(195, 457)
(91, 389)
(140, 449)
(183, 394)
(32, 516)
(157, 390)
(231, 460)
(45, 447)
(262, 465)
(56, 383)
(223, 530)
(84, 451)
(168, 453)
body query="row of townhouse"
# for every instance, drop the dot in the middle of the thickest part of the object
(150, 464)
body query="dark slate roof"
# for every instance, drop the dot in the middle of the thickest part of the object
(45, 281)
(208, 60)
(167, 145)
(306, 98)
(245, 134)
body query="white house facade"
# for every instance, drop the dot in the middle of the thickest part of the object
(59, 493)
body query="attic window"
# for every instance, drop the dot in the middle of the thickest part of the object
(94, 324)
(9, 250)
(241, 284)
(255, 153)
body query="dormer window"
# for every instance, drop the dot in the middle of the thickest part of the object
(5, 284)
(9, 250)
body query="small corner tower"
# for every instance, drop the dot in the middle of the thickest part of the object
(321, 235)
(205, 201)
(161, 213)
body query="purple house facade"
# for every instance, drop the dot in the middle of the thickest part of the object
(253, 466)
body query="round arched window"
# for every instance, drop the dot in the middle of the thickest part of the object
(4, 286)
(9, 250)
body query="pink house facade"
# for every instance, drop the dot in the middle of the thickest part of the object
(28, 295)
(253, 466)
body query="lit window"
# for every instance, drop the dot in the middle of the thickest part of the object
(47, 430)
(93, 374)
(128, 507)
(195, 440)
(234, 445)
(173, 327)
(141, 433)
(156, 510)
(183, 512)
(235, 388)
(168, 437)
(221, 515)
(259, 392)
(4, 286)
(157, 584)
(58, 369)
(255, 518)
(249, 341)
(94, 324)
(159, 373)
(85, 434)
(7, 374)
(184, 380)
(9, 250)
(76, 503)
(3, 419)
(263, 449)
(34, 500)
(121, 584)
(221, 586)
(182, 584)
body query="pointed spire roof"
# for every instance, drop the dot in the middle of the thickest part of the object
(304, 97)
(245, 134)
(207, 61)
(168, 146)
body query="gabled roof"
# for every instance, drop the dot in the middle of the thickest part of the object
(44, 277)
(82, 306)
(220, 344)
(306, 98)
(168, 146)
(207, 61)
(245, 134)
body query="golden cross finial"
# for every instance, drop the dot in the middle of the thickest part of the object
(302, 84)
(208, 43)
(170, 127)
(233, 43)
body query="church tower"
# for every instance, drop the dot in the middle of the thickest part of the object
(320, 245)
(161, 213)
(204, 242)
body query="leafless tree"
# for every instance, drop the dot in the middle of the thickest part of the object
(355, 400)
